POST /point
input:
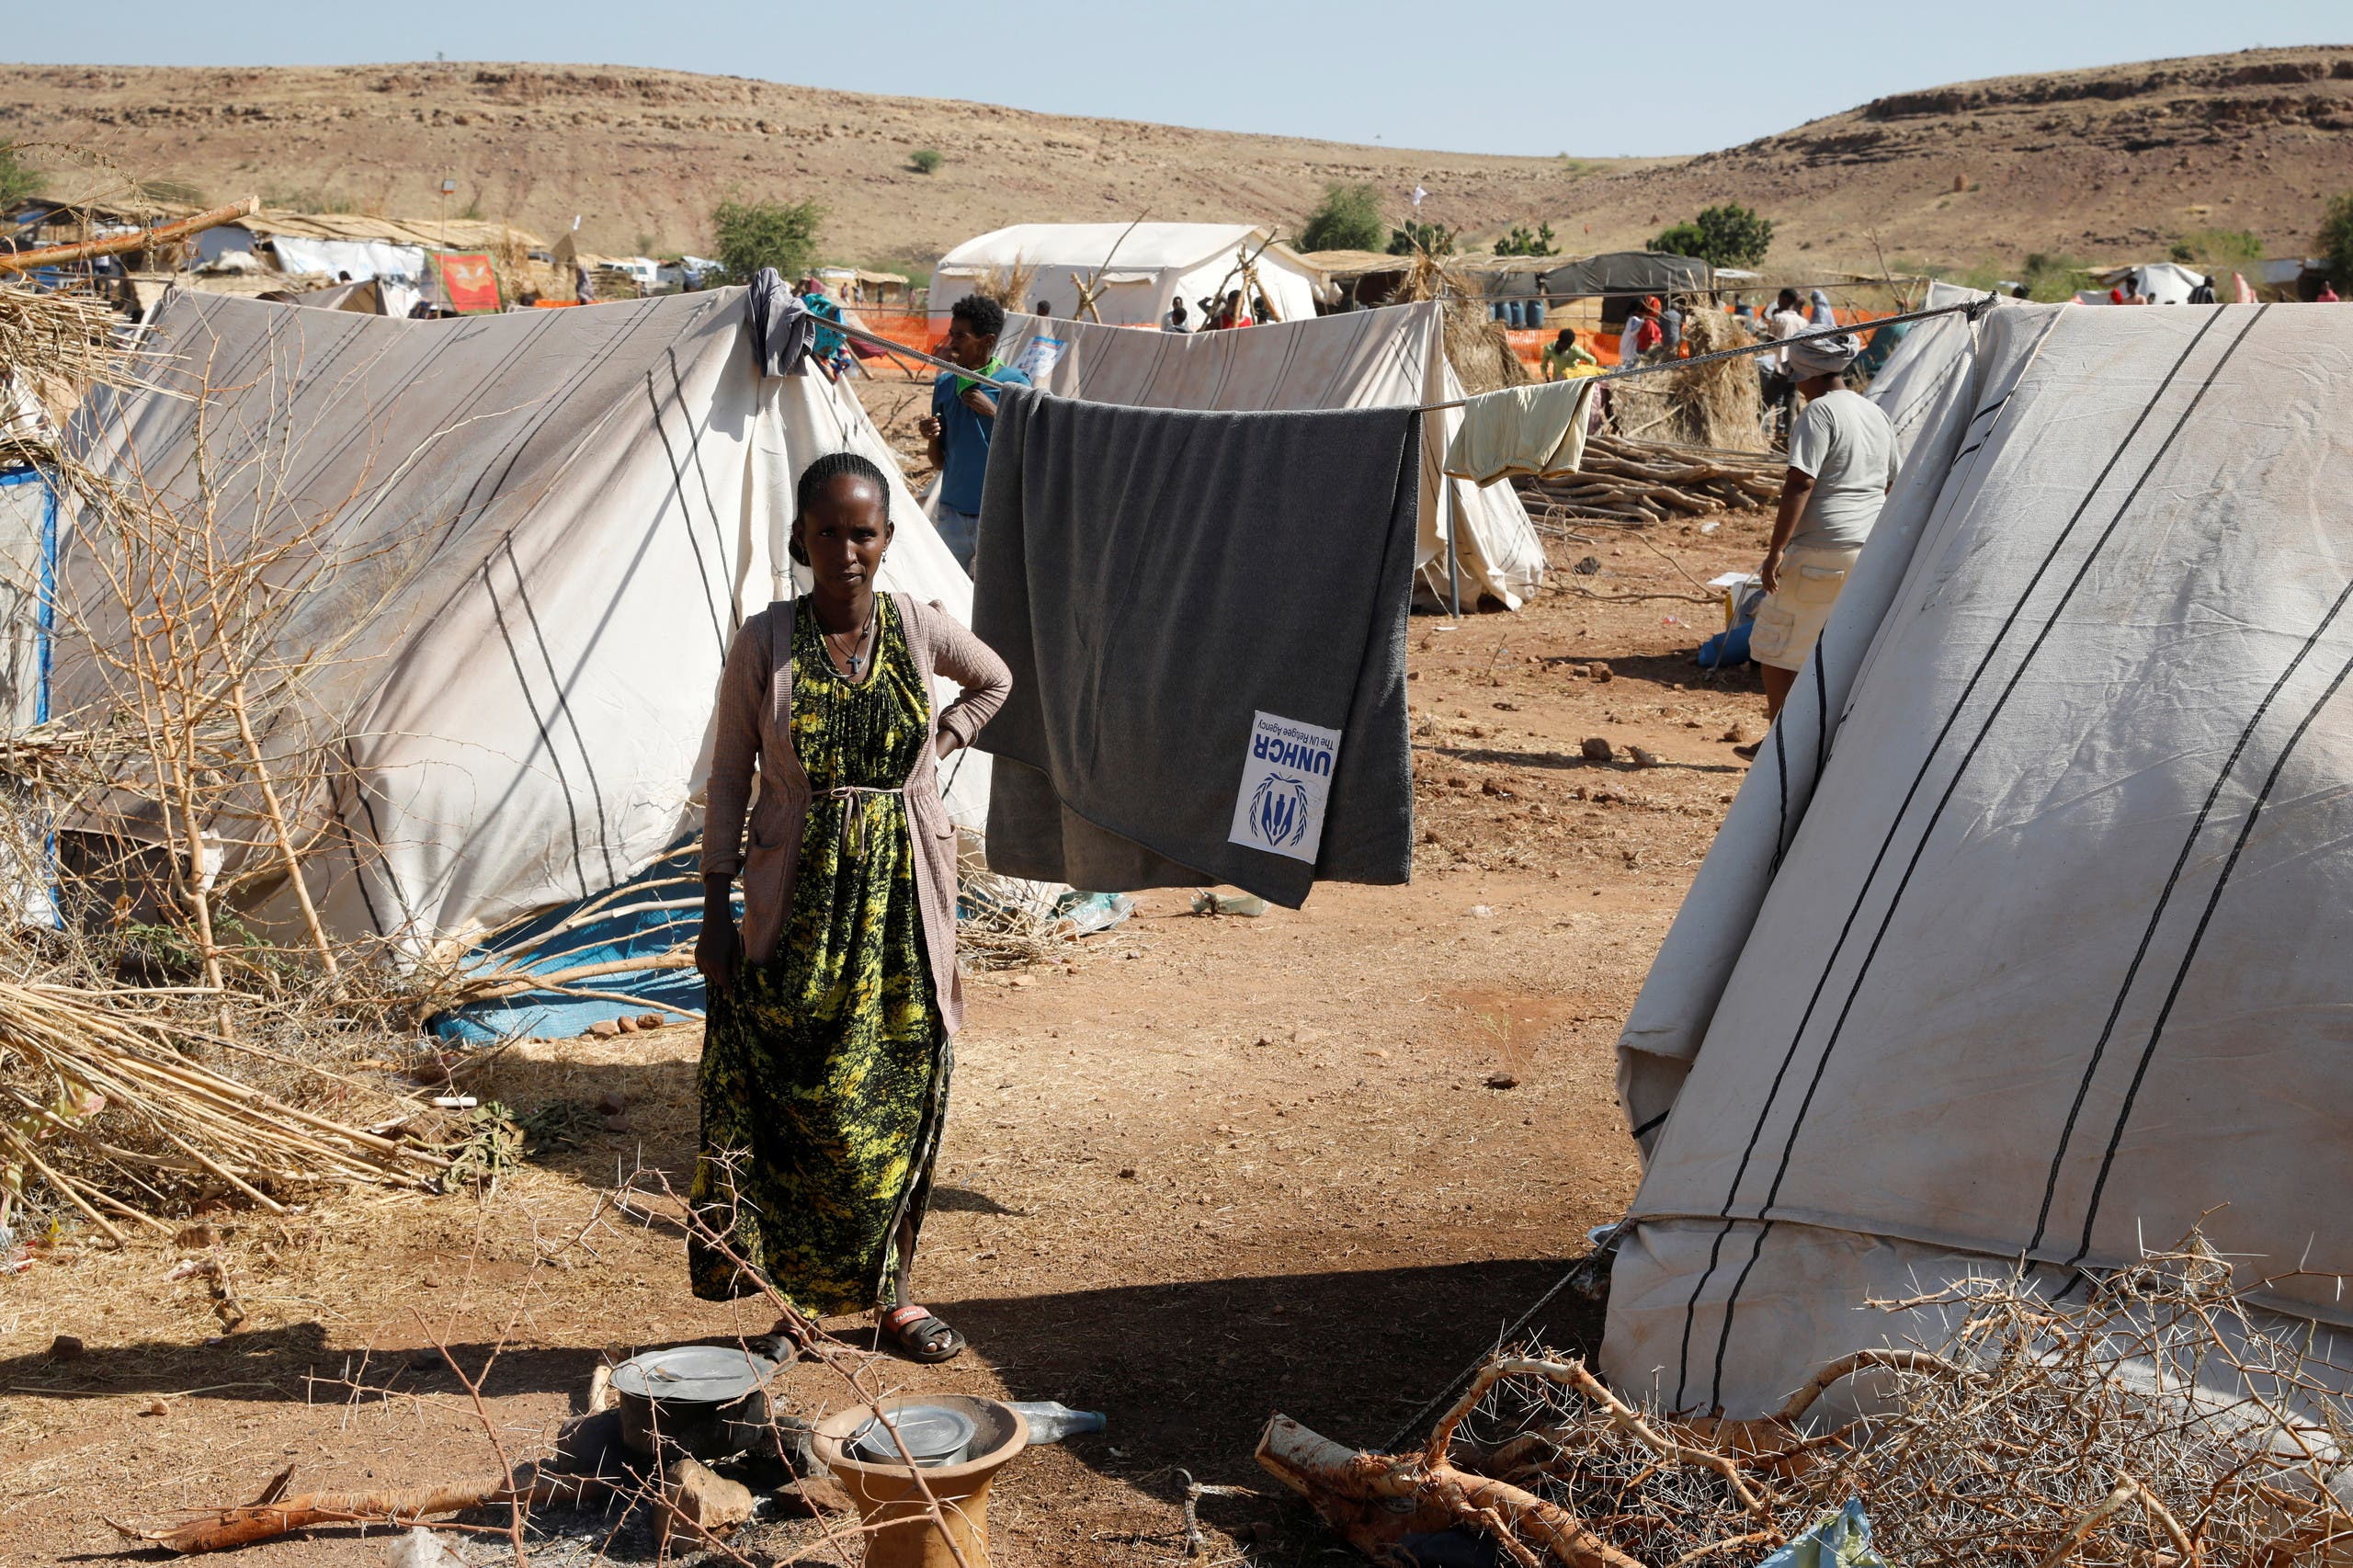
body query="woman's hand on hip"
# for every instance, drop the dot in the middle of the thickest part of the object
(718, 951)
(943, 747)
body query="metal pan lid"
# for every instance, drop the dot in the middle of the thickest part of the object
(693, 1374)
(934, 1434)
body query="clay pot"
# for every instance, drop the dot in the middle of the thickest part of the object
(887, 1494)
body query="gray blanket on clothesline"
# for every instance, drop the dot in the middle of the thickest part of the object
(1205, 616)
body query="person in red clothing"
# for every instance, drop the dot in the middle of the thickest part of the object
(2327, 295)
(1641, 334)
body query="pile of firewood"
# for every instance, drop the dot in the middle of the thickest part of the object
(1643, 482)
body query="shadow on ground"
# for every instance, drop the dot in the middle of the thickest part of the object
(1190, 1372)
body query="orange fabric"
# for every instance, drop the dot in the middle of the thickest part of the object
(1528, 344)
(468, 284)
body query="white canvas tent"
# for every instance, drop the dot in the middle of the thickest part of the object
(1360, 359)
(2026, 938)
(1141, 269)
(2165, 283)
(557, 519)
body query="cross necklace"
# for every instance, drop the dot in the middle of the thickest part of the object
(854, 653)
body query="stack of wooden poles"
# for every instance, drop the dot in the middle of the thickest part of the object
(1647, 482)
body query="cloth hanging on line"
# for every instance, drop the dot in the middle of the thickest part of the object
(782, 326)
(1205, 616)
(1537, 430)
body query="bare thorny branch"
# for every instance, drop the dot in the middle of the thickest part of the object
(2165, 1422)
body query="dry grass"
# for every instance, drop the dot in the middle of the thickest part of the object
(1480, 350)
(1713, 405)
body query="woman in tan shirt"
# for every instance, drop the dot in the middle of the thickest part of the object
(826, 1055)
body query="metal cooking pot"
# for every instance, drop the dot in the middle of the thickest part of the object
(707, 1400)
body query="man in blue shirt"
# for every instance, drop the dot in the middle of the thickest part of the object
(963, 412)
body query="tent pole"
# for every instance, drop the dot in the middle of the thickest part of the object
(1453, 556)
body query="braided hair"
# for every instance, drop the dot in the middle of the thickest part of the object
(824, 472)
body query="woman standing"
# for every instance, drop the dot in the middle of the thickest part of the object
(826, 1058)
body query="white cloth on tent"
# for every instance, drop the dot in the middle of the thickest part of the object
(399, 270)
(1360, 359)
(1537, 430)
(2046, 966)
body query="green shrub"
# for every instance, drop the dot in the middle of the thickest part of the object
(1348, 219)
(18, 182)
(2049, 277)
(1729, 235)
(1521, 242)
(925, 161)
(749, 236)
(1435, 239)
(2336, 239)
(2218, 252)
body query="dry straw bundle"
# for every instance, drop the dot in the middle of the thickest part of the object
(54, 345)
(1707, 406)
(2163, 1423)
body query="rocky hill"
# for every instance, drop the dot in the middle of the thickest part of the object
(2102, 163)
(643, 155)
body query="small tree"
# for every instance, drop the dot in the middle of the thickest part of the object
(1431, 239)
(749, 236)
(2336, 239)
(17, 182)
(1348, 219)
(1729, 235)
(1521, 240)
(926, 161)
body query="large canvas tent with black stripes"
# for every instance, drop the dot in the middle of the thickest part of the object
(547, 525)
(2027, 938)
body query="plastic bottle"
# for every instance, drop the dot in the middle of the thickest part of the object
(1050, 1422)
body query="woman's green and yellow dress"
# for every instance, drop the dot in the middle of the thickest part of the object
(824, 1070)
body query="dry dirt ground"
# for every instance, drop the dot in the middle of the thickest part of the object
(2110, 164)
(1209, 1168)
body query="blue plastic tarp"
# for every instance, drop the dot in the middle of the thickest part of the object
(655, 912)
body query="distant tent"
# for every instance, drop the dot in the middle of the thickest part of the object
(365, 299)
(562, 518)
(2164, 283)
(1621, 277)
(1357, 359)
(2025, 938)
(1138, 271)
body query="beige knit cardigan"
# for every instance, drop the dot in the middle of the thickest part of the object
(753, 734)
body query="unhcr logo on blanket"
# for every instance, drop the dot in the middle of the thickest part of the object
(1286, 779)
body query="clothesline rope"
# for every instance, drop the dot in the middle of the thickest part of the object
(1972, 309)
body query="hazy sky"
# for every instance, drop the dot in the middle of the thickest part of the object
(1468, 76)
